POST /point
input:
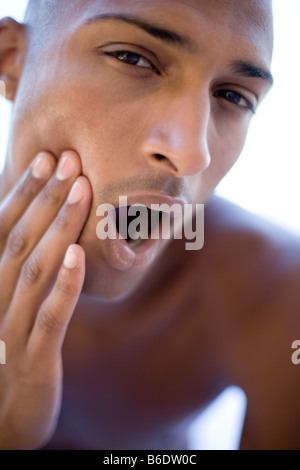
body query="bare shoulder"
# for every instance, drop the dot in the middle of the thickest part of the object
(259, 271)
(249, 242)
(255, 261)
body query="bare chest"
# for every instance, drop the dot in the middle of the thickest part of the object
(136, 378)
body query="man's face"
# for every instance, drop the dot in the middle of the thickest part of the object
(153, 111)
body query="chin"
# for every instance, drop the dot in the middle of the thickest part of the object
(107, 284)
(103, 281)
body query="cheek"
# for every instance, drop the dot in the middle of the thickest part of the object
(97, 124)
(225, 145)
(39, 123)
(90, 120)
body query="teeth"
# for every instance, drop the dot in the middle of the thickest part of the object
(135, 243)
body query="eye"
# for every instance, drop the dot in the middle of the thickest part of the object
(131, 58)
(235, 98)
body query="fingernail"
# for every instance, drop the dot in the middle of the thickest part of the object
(71, 260)
(66, 169)
(76, 193)
(41, 168)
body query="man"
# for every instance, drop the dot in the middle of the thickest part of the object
(116, 346)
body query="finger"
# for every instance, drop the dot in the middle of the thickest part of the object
(42, 265)
(21, 195)
(54, 315)
(30, 228)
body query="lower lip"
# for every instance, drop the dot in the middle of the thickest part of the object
(121, 256)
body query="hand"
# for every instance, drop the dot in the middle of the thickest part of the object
(39, 289)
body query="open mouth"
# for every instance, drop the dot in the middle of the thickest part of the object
(136, 230)
(138, 223)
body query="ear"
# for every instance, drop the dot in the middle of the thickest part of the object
(13, 47)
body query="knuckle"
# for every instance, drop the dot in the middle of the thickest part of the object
(49, 320)
(51, 197)
(17, 242)
(65, 288)
(61, 222)
(26, 190)
(31, 271)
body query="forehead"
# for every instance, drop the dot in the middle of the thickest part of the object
(246, 20)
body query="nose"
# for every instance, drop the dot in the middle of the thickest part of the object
(177, 139)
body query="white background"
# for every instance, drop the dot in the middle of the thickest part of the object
(265, 181)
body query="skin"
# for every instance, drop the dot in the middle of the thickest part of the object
(122, 118)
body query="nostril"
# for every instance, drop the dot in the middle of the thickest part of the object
(159, 157)
(164, 162)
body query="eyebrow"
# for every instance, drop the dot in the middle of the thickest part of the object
(247, 69)
(243, 68)
(165, 34)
